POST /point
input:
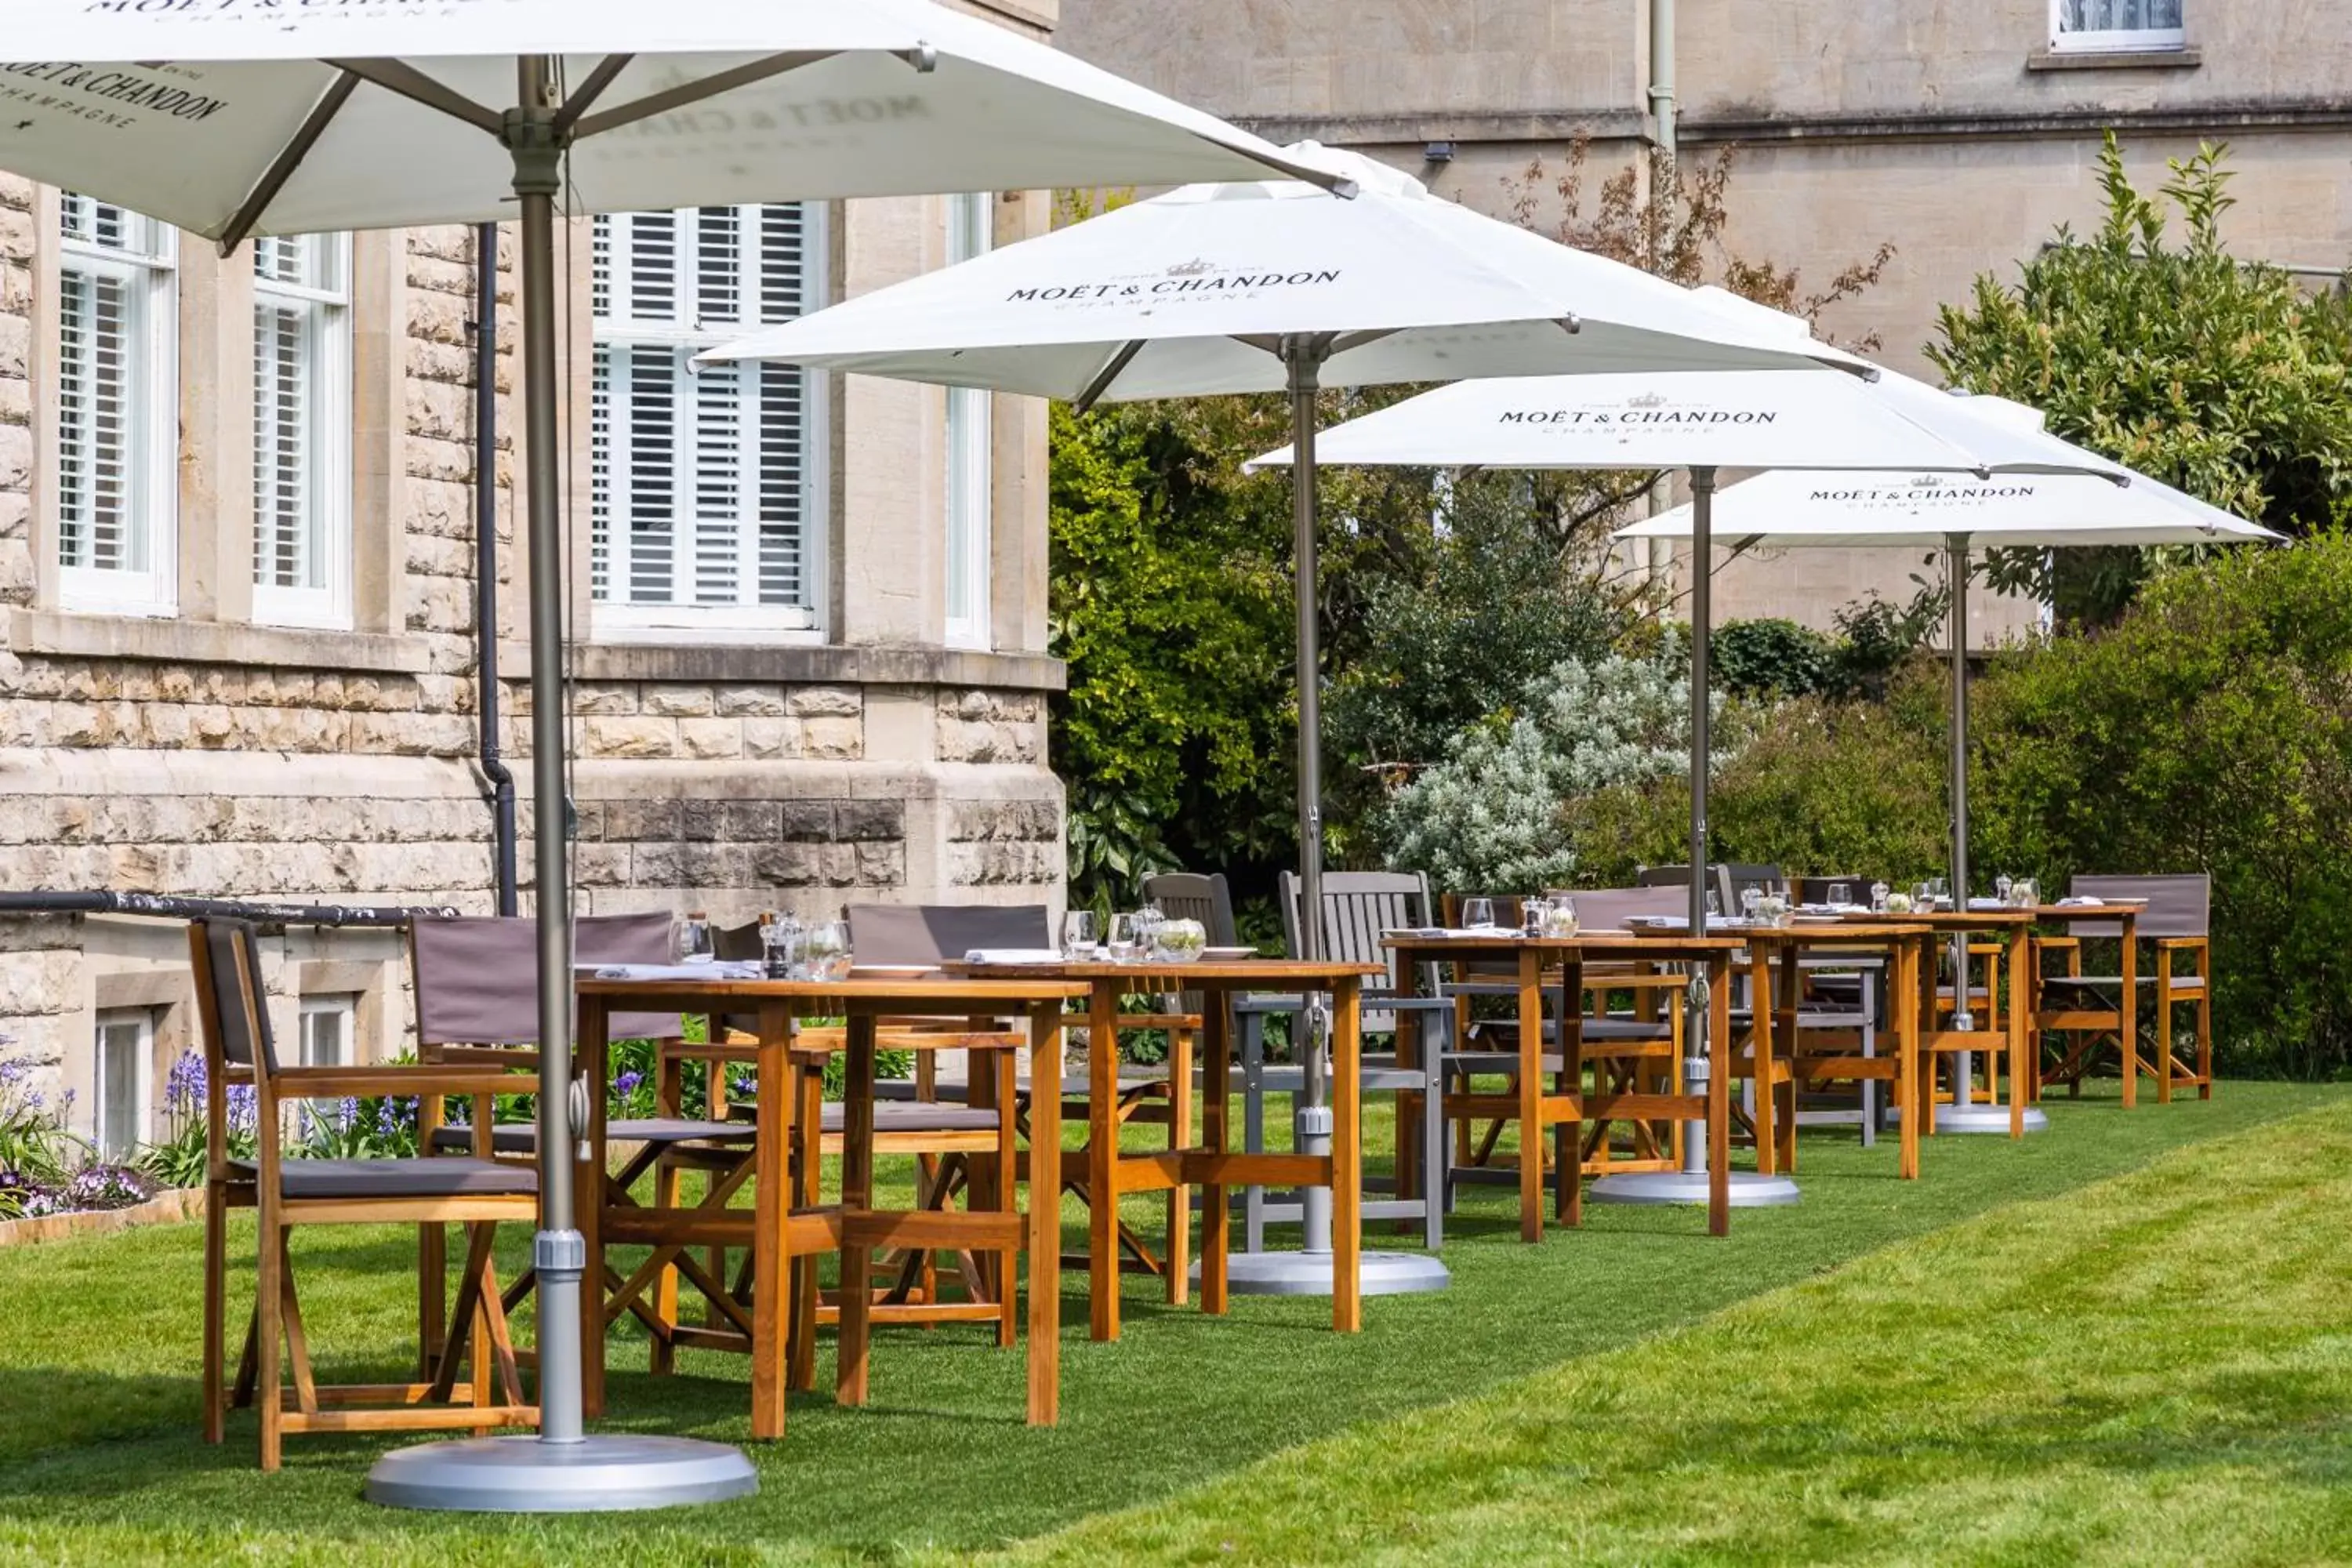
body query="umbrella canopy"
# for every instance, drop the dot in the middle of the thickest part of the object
(1193, 293)
(254, 117)
(233, 118)
(1899, 507)
(1680, 419)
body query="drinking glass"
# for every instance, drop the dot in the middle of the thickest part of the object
(1560, 917)
(1841, 895)
(1125, 944)
(1478, 914)
(1079, 935)
(1923, 895)
(694, 937)
(824, 952)
(1939, 889)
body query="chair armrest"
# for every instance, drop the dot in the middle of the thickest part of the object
(1391, 1003)
(341, 1083)
(2056, 942)
(2181, 944)
(1269, 1002)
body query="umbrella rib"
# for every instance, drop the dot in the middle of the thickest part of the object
(1109, 373)
(606, 72)
(695, 91)
(281, 169)
(410, 83)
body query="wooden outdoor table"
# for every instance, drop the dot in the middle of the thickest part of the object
(1777, 951)
(773, 1229)
(1209, 1165)
(2015, 929)
(1567, 1105)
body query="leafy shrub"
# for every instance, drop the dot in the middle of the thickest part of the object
(1491, 814)
(1770, 657)
(2210, 730)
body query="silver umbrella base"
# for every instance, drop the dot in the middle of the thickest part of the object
(525, 1475)
(1748, 1190)
(1309, 1274)
(1986, 1118)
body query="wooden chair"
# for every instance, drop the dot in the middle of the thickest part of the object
(476, 1192)
(2086, 1010)
(476, 989)
(1358, 905)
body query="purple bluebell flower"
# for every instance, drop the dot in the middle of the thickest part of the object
(626, 1084)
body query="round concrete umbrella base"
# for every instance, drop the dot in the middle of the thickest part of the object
(1748, 1190)
(1986, 1118)
(602, 1474)
(1309, 1274)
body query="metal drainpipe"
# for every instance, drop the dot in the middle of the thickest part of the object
(1662, 113)
(501, 790)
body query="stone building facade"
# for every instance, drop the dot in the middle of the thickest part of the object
(238, 652)
(1964, 132)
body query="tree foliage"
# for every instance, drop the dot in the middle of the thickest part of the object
(2225, 378)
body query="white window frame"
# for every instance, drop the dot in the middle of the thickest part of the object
(142, 1023)
(343, 1008)
(969, 501)
(150, 272)
(2114, 40)
(327, 501)
(614, 620)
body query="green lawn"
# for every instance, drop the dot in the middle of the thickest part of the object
(2129, 1339)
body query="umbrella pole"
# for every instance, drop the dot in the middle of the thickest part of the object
(1691, 1184)
(1309, 1271)
(561, 1470)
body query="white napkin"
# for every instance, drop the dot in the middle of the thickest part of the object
(1987, 904)
(1013, 955)
(735, 968)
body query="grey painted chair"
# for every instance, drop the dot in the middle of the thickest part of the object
(2176, 923)
(1358, 905)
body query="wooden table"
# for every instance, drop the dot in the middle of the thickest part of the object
(773, 1229)
(1567, 1105)
(2014, 927)
(1209, 1165)
(1778, 949)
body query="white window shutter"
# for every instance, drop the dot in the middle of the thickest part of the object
(96, 456)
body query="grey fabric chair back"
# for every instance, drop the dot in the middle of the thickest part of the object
(930, 933)
(738, 943)
(1607, 909)
(477, 976)
(238, 1008)
(1816, 890)
(1356, 907)
(1190, 896)
(2178, 906)
(1718, 884)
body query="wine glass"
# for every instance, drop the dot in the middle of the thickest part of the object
(1126, 941)
(825, 950)
(1078, 936)
(1478, 914)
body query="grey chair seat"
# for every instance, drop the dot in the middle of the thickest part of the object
(2112, 983)
(915, 1116)
(1597, 1031)
(522, 1137)
(412, 1178)
(1289, 1078)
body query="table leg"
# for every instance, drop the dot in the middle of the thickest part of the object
(1718, 1098)
(771, 1221)
(1569, 1198)
(1347, 1157)
(1531, 1127)
(806, 1136)
(1903, 1004)
(2129, 1007)
(2022, 1003)
(594, 1057)
(1102, 1163)
(1216, 1219)
(857, 1202)
(1046, 1215)
(1784, 1117)
(1181, 1047)
(1761, 999)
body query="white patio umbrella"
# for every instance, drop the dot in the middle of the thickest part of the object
(1703, 421)
(1271, 285)
(1905, 507)
(236, 118)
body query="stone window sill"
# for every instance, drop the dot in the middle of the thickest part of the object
(212, 642)
(801, 664)
(2187, 59)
